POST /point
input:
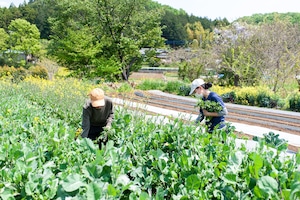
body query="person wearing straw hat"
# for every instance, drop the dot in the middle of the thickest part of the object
(97, 115)
(201, 90)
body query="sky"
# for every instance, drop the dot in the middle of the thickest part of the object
(232, 9)
(6, 3)
(215, 9)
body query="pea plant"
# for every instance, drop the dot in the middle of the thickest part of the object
(210, 106)
(41, 158)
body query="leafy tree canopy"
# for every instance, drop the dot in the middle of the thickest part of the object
(292, 17)
(24, 36)
(88, 32)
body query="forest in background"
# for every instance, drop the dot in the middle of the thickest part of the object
(39, 11)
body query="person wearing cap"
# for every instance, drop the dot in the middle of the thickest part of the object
(201, 90)
(97, 115)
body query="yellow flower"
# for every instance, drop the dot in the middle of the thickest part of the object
(36, 119)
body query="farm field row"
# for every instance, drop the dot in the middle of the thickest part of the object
(166, 109)
(41, 157)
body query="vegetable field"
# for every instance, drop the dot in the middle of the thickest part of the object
(41, 158)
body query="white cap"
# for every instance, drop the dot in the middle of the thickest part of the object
(196, 83)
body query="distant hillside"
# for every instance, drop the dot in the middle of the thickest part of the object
(269, 17)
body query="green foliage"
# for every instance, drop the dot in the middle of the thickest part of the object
(264, 99)
(238, 68)
(190, 70)
(151, 85)
(145, 158)
(271, 17)
(253, 96)
(173, 87)
(13, 74)
(153, 62)
(294, 102)
(125, 87)
(24, 37)
(273, 140)
(210, 106)
(228, 97)
(107, 69)
(184, 90)
(115, 34)
(38, 71)
(3, 40)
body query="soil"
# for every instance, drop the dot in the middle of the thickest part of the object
(141, 75)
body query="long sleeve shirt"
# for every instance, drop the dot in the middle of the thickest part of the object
(91, 116)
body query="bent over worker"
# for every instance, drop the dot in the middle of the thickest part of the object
(97, 115)
(217, 119)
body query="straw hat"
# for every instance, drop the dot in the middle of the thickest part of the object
(97, 97)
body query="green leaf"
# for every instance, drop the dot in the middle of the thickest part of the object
(90, 144)
(286, 193)
(7, 194)
(111, 190)
(51, 192)
(230, 178)
(127, 118)
(267, 185)
(160, 193)
(193, 182)
(106, 174)
(144, 196)
(72, 183)
(257, 165)
(30, 187)
(295, 190)
(94, 192)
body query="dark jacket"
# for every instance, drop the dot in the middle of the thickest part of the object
(91, 116)
(214, 121)
(221, 118)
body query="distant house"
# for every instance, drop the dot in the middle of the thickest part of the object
(18, 56)
(162, 54)
(15, 54)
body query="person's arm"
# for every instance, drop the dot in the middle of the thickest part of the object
(110, 116)
(200, 117)
(85, 123)
(223, 112)
(216, 114)
(210, 114)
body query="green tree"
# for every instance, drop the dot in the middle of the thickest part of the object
(92, 31)
(237, 63)
(173, 26)
(196, 31)
(44, 9)
(28, 13)
(24, 37)
(6, 16)
(3, 39)
(238, 68)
